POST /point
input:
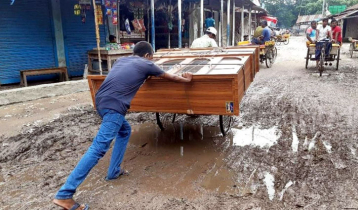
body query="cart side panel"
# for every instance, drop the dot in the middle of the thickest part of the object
(241, 85)
(204, 95)
(201, 96)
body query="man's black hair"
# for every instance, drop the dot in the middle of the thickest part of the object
(313, 22)
(325, 19)
(111, 38)
(334, 21)
(142, 48)
(264, 22)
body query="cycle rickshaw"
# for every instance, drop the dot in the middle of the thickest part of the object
(353, 46)
(285, 39)
(268, 52)
(323, 61)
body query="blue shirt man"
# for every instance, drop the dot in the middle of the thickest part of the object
(112, 101)
(265, 36)
(209, 22)
(266, 33)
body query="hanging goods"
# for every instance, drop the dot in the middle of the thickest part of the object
(128, 27)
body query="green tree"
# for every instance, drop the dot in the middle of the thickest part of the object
(287, 11)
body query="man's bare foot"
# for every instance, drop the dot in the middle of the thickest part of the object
(67, 204)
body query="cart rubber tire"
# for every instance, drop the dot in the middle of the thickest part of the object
(338, 57)
(321, 62)
(351, 49)
(225, 123)
(287, 41)
(268, 61)
(307, 57)
(163, 119)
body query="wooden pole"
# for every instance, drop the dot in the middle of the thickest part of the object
(233, 22)
(97, 37)
(222, 22)
(250, 21)
(179, 24)
(228, 24)
(201, 17)
(242, 23)
(153, 23)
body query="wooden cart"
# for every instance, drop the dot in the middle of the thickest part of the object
(218, 85)
(252, 68)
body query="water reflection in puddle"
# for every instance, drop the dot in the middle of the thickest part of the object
(253, 136)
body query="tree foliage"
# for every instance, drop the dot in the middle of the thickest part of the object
(287, 11)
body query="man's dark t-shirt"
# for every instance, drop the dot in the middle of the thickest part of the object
(123, 82)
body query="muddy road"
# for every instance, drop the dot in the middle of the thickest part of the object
(294, 146)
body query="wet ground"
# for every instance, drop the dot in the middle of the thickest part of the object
(294, 146)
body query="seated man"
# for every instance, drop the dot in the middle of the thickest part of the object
(324, 33)
(336, 32)
(311, 33)
(208, 40)
(265, 35)
(112, 45)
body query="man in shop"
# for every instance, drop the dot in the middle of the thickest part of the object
(112, 102)
(265, 34)
(336, 32)
(209, 22)
(208, 40)
(112, 45)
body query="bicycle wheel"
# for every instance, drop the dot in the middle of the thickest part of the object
(307, 57)
(338, 56)
(269, 57)
(351, 49)
(225, 124)
(164, 119)
(287, 41)
(321, 62)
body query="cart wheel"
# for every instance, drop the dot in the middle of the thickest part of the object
(307, 57)
(270, 56)
(351, 49)
(338, 56)
(278, 42)
(321, 62)
(164, 119)
(225, 124)
(287, 41)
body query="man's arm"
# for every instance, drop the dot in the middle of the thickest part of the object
(213, 43)
(186, 77)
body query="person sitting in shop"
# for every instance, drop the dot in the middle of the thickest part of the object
(112, 45)
(208, 40)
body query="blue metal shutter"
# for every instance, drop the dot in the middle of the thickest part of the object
(79, 37)
(26, 38)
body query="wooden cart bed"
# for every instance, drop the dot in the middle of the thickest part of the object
(218, 85)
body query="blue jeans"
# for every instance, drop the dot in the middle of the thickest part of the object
(113, 126)
(319, 46)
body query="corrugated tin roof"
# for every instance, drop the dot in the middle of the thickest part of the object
(353, 7)
(350, 11)
(308, 18)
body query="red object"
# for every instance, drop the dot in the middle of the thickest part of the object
(271, 19)
(335, 31)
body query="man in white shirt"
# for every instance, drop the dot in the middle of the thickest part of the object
(324, 30)
(208, 40)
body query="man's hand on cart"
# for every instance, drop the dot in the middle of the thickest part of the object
(186, 77)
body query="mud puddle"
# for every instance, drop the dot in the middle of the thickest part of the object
(183, 161)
